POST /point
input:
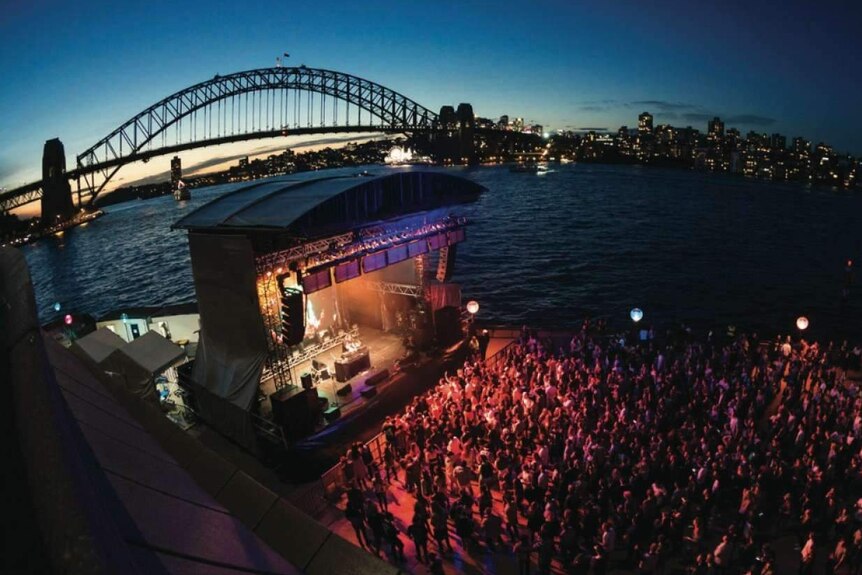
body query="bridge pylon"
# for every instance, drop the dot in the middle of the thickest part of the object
(57, 204)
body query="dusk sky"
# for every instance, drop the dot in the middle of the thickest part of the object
(77, 70)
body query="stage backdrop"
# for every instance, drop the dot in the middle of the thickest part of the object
(232, 345)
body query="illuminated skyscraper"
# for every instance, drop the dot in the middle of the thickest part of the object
(645, 123)
(176, 171)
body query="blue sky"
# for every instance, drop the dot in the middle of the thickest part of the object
(78, 70)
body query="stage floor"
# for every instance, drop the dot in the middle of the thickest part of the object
(384, 350)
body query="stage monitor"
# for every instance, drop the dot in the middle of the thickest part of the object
(417, 248)
(457, 235)
(438, 241)
(373, 262)
(316, 280)
(396, 254)
(347, 271)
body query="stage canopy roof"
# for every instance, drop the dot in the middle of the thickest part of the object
(308, 206)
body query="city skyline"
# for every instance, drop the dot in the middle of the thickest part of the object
(684, 64)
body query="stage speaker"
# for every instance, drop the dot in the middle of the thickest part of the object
(446, 263)
(447, 324)
(292, 316)
(368, 392)
(378, 376)
(307, 382)
(332, 414)
(344, 390)
(297, 413)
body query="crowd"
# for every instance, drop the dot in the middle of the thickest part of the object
(686, 456)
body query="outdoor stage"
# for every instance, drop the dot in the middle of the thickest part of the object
(292, 272)
(384, 350)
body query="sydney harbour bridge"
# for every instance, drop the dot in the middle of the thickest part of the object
(263, 103)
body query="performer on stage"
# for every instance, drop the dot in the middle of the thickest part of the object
(350, 344)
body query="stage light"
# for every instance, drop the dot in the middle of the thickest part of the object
(279, 271)
(802, 322)
(636, 314)
(68, 320)
(125, 317)
(56, 306)
(473, 307)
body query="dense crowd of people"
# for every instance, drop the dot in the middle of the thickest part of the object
(692, 455)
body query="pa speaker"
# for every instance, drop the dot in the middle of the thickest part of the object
(292, 316)
(446, 263)
(307, 381)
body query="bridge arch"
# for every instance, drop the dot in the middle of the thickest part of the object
(132, 141)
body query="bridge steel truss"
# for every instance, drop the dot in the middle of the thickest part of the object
(246, 105)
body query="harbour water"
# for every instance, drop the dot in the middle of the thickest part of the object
(550, 249)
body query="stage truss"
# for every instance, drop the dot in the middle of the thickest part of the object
(328, 253)
(414, 291)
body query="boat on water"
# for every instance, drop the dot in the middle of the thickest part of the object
(182, 193)
(529, 168)
(399, 156)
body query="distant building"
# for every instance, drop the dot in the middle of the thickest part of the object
(778, 142)
(716, 130)
(645, 123)
(447, 117)
(176, 172)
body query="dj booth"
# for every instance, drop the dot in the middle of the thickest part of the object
(352, 363)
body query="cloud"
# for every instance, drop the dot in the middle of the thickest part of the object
(663, 105)
(698, 116)
(750, 120)
(597, 105)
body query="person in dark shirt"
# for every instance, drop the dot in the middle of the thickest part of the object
(356, 517)
(375, 523)
(392, 538)
(418, 531)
